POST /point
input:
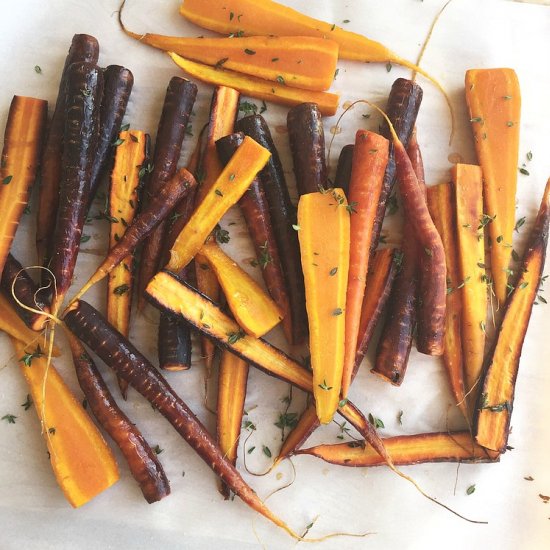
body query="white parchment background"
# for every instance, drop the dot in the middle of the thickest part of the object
(33, 512)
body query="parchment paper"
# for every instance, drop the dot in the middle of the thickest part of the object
(33, 511)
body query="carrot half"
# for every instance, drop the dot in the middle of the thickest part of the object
(131, 156)
(176, 110)
(405, 450)
(156, 211)
(257, 216)
(494, 411)
(23, 140)
(441, 204)
(84, 90)
(83, 48)
(370, 158)
(256, 87)
(343, 168)
(239, 172)
(82, 462)
(120, 355)
(494, 101)
(324, 234)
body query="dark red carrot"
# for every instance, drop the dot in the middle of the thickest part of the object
(156, 211)
(84, 48)
(84, 90)
(15, 278)
(142, 460)
(343, 168)
(258, 220)
(178, 104)
(118, 83)
(307, 145)
(117, 352)
(402, 109)
(283, 217)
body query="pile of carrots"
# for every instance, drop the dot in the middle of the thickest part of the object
(328, 283)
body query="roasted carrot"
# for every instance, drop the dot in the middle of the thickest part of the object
(23, 140)
(223, 113)
(253, 309)
(496, 398)
(84, 48)
(343, 168)
(324, 233)
(156, 211)
(178, 104)
(379, 281)
(256, 213)
(370, 158)
(405, 450)
(118, 83)
(232, 382)
(307, 145)
(402, 109)
(84, 89)
(283, 217)
(470, 222)
(142, 460)
(16, 279)
(257, 87)
(82, 462)
(441, 204)
(228, 189)
(128, 362)
(494, 101)
(132, 154)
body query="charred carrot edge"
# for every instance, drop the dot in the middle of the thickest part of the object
(283, 217)
(343, 168)
(379, 282)
(81, 460)
(142, 461)
(405, 450)
(131, 155)
(256, 87)
(402, 109)
(232, 381)
(118, 83)
(88, 324)
(13, 325)
(493, 97)
(253, 309)
(228, 189)
(223, 113)
(370, 158)
(16, 279)
(307, 145)
(23, 140)
(176, 110)
(156, 211)
(496, 399)
(84, 89)
(470, 221)
(441, 206)
(83, 48)
(258, 220)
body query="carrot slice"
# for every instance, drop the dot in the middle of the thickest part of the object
(22, 147)
(82, 462)
(470, 222)
(256, 87)
(324, 234)
(494, 100)
(370, 158)
(253, 309)
(497, 393)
